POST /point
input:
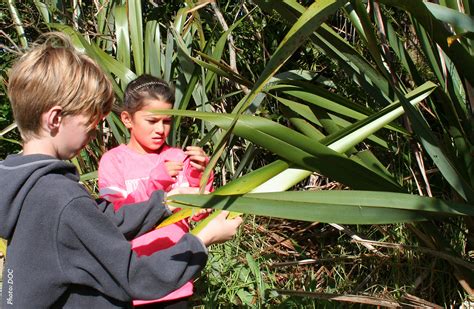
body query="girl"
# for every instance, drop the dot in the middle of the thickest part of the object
(130, 173)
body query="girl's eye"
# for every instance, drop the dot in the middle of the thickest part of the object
(153, 121)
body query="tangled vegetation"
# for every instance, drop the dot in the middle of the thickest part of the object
(361, 108)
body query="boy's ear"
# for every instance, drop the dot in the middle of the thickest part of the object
(52, 118)
(126, 119)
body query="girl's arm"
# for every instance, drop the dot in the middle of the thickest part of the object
(193, 169)
(194, 166)
(112, 185)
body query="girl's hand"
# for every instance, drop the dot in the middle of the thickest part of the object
(173, 168)
(186, 190)
(198, 158)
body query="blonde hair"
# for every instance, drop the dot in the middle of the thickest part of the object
(53, 73)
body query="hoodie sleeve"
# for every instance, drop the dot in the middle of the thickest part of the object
(93, 252)
(135, 219)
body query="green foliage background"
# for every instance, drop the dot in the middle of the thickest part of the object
(294, 97)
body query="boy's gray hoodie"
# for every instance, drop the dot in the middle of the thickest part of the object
(65, 250)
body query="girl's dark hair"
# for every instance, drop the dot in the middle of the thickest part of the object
(146, 87)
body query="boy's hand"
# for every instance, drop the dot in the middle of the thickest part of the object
(219, 229)
(173, 168)
(198, 158)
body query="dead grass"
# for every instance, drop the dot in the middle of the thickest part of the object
(314, 263)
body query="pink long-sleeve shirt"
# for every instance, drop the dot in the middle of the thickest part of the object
(126, 176)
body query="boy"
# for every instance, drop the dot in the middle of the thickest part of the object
(64, 249)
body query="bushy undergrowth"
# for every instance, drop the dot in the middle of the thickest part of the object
(282, 264)
(258, 268)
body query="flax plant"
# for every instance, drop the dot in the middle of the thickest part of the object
(418, 88)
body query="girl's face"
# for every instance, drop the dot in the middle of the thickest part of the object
(148, 131)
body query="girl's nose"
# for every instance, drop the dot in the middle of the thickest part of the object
(159, 127)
